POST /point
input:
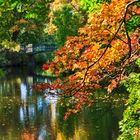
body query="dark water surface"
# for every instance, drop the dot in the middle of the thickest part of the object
(27, 115)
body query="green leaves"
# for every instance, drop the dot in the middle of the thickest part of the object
(1, 73)
(92, 5)
(67, 22)
(60, 64)
(133, 23)
(130, 125)
(26, 17)
(138, 62)
(31, 15)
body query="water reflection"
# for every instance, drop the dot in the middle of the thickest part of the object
(23, 91)
(28, 115)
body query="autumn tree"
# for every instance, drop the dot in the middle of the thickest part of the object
(99, 55)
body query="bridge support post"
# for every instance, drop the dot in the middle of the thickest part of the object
(31, 63)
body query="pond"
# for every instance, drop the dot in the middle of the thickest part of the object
(28, 115)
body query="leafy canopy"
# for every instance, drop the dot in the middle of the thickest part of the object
(98, 56)
(22, 21)
(67, 22)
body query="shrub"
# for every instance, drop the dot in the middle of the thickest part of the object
(130, 125)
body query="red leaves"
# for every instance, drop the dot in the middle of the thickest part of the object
(97, 56)
(113, 84)
(41, 86)
(128, 16)
(48, 65)
(72, 78)
(66, 115)
(138, 11)
(45, 67)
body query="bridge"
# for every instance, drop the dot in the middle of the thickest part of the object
(32, 50)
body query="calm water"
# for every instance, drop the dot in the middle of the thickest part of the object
(27, 115)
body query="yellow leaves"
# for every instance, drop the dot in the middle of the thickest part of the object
(50, 29)
(14, 28)
(104, 24)
(91, 59)
(117, 50)
(80, 65)
(91, 52)
(16, 48)
(93, 55)
(11, 45)
(80, 74)
(137, 133)
(33, 26)
(19, 23)
(22, 21)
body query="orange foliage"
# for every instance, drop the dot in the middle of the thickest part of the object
(14, 28)
(28, 136)
(97, 54)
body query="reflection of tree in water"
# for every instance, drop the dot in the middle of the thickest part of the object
(99, 122)
(22, 110)
(27, 114)
(27, 135)
(65, 127)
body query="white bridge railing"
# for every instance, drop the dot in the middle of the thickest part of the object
(30, 49)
